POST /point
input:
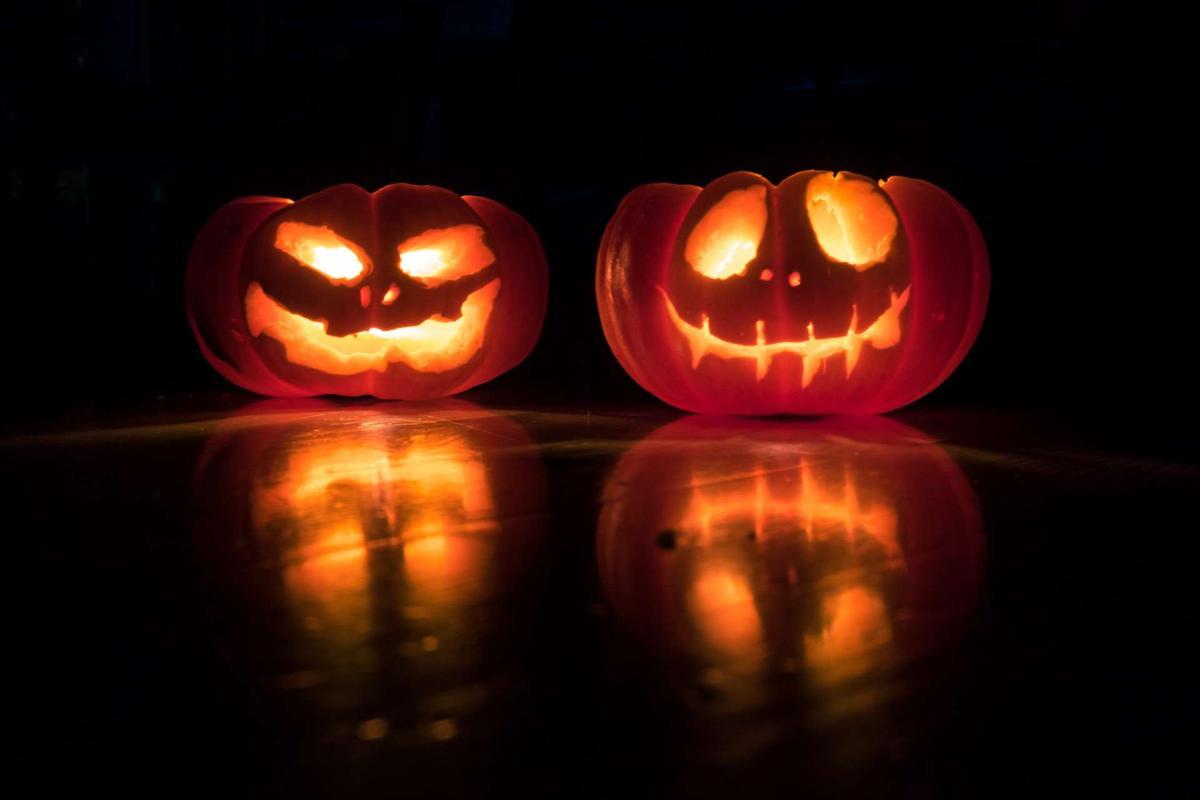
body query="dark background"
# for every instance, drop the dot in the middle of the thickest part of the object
(1059, 125)
(127, 123)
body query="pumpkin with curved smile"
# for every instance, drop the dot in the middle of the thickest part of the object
(411, 292)
(828, 293)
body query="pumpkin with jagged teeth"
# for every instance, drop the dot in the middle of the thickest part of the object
(828, 293)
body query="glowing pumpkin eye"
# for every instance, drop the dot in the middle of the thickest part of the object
(320, 249)
(726, 238)
(853, 222)
(444, 254)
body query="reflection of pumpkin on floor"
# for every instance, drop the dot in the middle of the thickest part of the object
(383, 537)
(750, 548)
(804, 530)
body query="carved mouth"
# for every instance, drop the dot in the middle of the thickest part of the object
(434, 345)
(881, 334)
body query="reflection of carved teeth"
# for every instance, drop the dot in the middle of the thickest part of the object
(883, 333)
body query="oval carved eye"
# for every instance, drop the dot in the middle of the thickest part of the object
(444, 254)
(852, 220)
(726, 238)
(320, 249)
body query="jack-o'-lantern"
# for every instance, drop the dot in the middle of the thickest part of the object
(409, 293)
(828, 293)
(828, 551)
(363, 548)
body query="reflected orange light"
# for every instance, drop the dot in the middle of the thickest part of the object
(440, 567)
(371, 550)
(722, 606)
(320, 249)
(726, 239)
(883, 333)
(344, 496)
(760, 558)
(855, 624)
(774, 500)
(776, 503)
(435, 345)
(852, 219)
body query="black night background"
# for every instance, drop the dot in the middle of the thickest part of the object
(125, 124)
(128, 124)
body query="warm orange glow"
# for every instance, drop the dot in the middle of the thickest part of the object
(444, 254)
(852, 219)
(726, 239)
(722, 606)
(336, 499)
(856, 624)
(435, 345)
(780, 499)
(322, 250)
(883, 333)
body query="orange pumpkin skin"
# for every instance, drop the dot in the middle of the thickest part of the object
(825, 294)
(407, 293)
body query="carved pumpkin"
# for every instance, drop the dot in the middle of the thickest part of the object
(828, 293)
(409, 293)
(372, 547)
(743, 549)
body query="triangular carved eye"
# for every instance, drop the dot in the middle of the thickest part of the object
(851, 218)
(726, 238)
(444, 254)
(320, 249)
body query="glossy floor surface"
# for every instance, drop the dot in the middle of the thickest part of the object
(355, 600)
